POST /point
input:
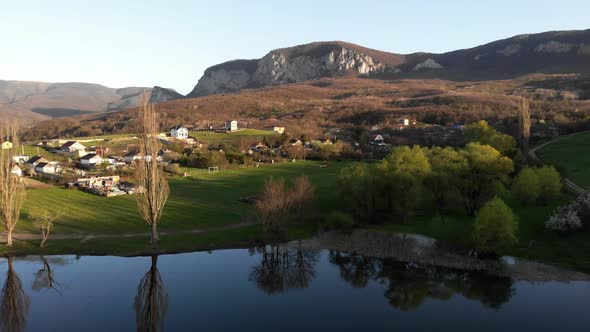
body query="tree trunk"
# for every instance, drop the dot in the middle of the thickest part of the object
(45, 234)
(155, 237)
(9, 237)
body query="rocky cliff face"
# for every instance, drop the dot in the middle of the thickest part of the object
(289, 65)
(549, 52)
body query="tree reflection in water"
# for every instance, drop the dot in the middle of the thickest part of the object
(151, 302)
(44, 277)
(409, 285)
(284, 267)
(15, 303)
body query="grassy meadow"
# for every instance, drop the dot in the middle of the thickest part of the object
(572, 154)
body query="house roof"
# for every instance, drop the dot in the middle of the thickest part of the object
(90, 156)
(178, 127)
(132, 154)
(68, 144)
(16, 168)
(42, 165)
(37, 159)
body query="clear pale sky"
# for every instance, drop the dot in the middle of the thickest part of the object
(170, 43)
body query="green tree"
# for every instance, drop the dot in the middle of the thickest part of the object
(495, 227)
(359, 189)
(448, 165)
(487, 173)
(526, 187)
(403, 160)
(483, 133)
(549, 183)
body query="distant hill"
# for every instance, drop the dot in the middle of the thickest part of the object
(35, 101)
(557, 52)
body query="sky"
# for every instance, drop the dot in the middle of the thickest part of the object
(170, 43)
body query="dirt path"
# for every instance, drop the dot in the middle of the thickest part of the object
(87, 237)
(570, 184)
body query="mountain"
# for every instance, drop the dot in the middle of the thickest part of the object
(555, 52)
(35, 101)
(159, 95)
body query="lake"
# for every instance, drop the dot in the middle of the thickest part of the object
(280, 288)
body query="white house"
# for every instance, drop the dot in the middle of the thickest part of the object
(402, 121)
(131, 157)
(91, 160)
(72, 147)
(6, 145)
(20, 159)
(276, 129)
(231, 125)
(179, 132)
(36, 160)
(17, 171)
(46, 168)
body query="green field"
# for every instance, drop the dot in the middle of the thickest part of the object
(571, 154)
(210, 137)
(203, 200)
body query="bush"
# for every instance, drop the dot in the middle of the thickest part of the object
(565, 219)
(526, 187)
(495, 227)
(582, 207)
(549, 183)
(173, 169)
(338, 221)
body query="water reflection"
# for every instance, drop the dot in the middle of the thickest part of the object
(14, 305)
(45, 278)
(410, 285)
(283, 267)
(151, 302)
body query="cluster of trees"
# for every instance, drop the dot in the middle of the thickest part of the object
(436, 178)
(536, 185)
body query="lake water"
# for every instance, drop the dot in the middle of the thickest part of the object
(282, 290)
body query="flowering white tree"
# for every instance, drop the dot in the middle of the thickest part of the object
(565, 219)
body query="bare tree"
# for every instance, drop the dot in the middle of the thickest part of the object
(44, 278)
(149, 175)
(151, 302)
(12, 189)
(15, 302)
(524, 124)
(45, 223)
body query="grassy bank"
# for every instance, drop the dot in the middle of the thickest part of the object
(572, 154)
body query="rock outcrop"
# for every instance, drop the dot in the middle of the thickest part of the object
(160, 95)
(295, 64)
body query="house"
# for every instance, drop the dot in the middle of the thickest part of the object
(16, 171)
(100, 150)
(131, 157)
(377, 139)
(402, 121)
(20, 159)
(325, 141)
(278, 130)
(46, 168)
(179, 132)
(91, 160)
(72, 147)
(98, 181)
(231, 125)
(295, 141)
(6, 145)
(37, 160)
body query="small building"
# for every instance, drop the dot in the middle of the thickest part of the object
(179, 132)
(71, 147)
(131, 157)
(6, 145)
(20, 159)
(98, 181)
(16, 171)
(91, 160)
(325, 141)
(377, 139)
(100, 150)
(37, 160)
(295, 141)
(276, 129)
(402, 121)
(46, 168)
(231, 125)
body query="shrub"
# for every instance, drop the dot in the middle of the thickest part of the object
(565, 219)
(338, 221)
(582, 207)
(549, 183)
(495, 227)
(173, 169)
(526, 187)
